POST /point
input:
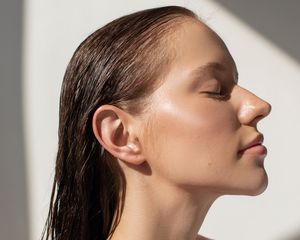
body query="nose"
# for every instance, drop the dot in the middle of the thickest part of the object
(251, 108)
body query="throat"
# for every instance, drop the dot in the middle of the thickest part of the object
(161, 213)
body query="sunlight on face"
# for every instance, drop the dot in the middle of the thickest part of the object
(201, 120)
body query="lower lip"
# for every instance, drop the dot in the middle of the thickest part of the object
(255, 150)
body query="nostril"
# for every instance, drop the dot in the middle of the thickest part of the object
(257, 119)
(252, 112)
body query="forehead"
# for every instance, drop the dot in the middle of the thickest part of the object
(196, 45)
(196, 40)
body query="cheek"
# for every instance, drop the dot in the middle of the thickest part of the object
(192, 143)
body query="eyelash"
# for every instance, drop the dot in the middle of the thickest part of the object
(217, 95)
(218, 92)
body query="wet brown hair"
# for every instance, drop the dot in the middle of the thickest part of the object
(119, 64)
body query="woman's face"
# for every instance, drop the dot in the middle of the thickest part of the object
(195, 133)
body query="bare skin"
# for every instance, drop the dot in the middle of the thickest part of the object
(189, 154)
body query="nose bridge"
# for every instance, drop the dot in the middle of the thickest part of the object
(251, 108)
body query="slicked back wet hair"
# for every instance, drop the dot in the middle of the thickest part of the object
(120, 64)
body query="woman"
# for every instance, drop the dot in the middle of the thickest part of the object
(153, 129)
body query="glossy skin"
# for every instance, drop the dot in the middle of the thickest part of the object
(183, 153)
(196, 133)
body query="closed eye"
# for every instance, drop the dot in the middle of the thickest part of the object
(218, 95)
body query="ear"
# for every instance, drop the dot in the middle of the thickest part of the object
(115, 131)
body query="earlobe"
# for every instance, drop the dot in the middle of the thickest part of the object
(114, 130)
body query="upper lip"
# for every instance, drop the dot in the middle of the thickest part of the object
(258, 140)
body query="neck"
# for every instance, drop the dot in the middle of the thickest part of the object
(155, 209)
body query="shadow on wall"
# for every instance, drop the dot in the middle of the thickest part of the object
(276, 20)
(294, 237)
(13, 200)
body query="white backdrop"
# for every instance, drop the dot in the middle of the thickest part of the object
(52, 31)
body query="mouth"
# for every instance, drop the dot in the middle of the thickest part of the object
(254, 147)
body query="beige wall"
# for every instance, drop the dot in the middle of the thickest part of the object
(53, 29)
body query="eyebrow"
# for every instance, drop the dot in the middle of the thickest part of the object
(204, 69)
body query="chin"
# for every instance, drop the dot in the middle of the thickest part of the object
(258, 186)
(254, 186)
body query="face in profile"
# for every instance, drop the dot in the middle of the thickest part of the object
(202, 129)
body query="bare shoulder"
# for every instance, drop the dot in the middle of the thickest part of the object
(200, 237)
